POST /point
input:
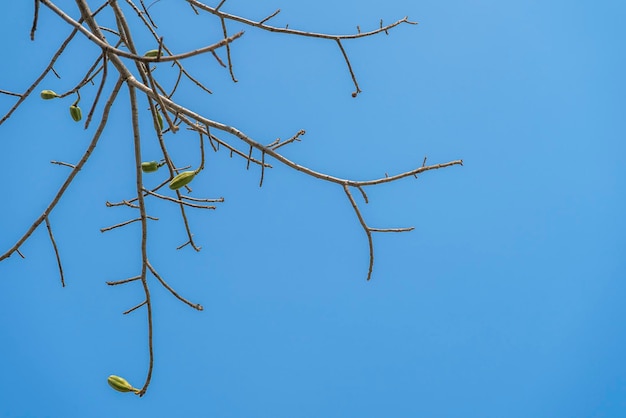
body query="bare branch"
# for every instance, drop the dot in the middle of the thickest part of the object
(132, 279)
(68, 181)
(135, 307)
(365, 228)
(121, 224)
(172, 291)
(56, 251)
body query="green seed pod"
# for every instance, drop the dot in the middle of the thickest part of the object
(76, 113)
(120, 384)
(48, 94)
(182, 179)
(160, 120)
(149, 166)
(153, 53)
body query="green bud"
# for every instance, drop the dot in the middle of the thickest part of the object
(48, 94)
(76, 113)
(150, 166)
(120, 384)
(153, 53)
(182, 179)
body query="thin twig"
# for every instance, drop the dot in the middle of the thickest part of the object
(108, 228)
(56, 251)
(230, 61)
(171, 199)
(365, 228)
(33, 28)
(135, 307)
(172, 291)
(63, 164)
(118, 282)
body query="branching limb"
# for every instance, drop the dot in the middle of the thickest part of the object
(368, 232)
(70, 177)
(137, 58)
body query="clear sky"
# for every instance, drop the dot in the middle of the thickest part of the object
(507, 300)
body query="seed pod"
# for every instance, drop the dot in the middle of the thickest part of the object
(160, 120)
(48, 94)
(76, 113)
(149, 166)
(153, 53)
(182, 179)
(120, 384)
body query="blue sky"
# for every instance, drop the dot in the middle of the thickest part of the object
(505, 301)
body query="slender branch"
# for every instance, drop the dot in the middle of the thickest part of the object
(132, 279)
(144, 230)
(345, 57)
(137, 58)
(70, 177)
(215, 11)
(33, 28)
(171, 199)
(365, 228)
(121, 224)
(56, 251)
(175, 107)
(172, 291)
(135, 307)
(62, 163)
(230, 61)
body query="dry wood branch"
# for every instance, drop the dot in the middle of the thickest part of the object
(121, 224)
(118, 282)
(33, 28)
(180, 110)
(277, 144)
(144, 230)
(70, 177)
(215, 11)
(365, 228)
(99, 92)
(10, 93)
(172, 291)
(137, 58)
(122, 203)
(171, 199)
(230, 61)
(56, 251)
(195, 199)
(63, 164)
(135, 307)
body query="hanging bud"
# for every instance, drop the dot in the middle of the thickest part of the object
(76, 113)
(182, 179)
(120, 384)
(153, 53)
(48, 94)
(149, 166)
